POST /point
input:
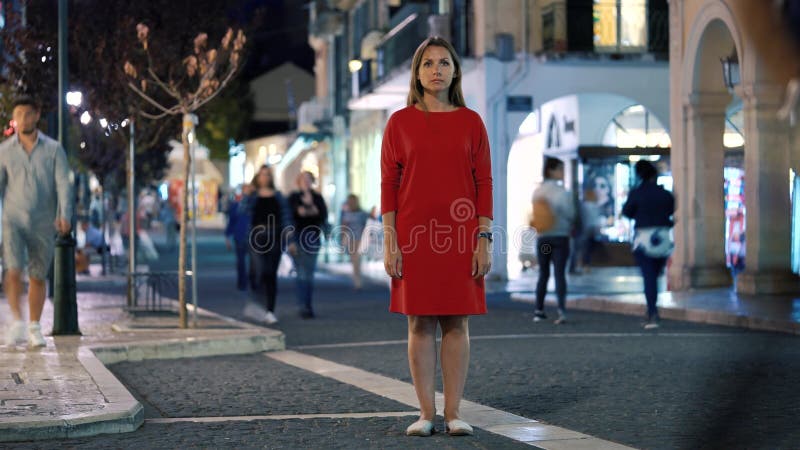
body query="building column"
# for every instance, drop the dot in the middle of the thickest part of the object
(699, 259)
(768, 158)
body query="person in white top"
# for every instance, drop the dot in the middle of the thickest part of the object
(553, 243)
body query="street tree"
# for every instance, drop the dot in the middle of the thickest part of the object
(175, 84)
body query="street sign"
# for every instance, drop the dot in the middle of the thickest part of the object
(519, 103)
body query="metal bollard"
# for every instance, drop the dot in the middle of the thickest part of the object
(65, 304)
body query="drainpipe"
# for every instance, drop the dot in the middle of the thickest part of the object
(500, 139)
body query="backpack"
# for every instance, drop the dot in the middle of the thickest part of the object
(542, 218)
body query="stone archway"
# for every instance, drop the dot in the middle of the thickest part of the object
(698, 157)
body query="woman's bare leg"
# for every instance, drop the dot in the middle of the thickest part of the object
(422, 362)
(455, 362)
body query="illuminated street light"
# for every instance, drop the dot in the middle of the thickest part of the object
(103, 123)
(74, 98)
(86, 118)
(355, 65)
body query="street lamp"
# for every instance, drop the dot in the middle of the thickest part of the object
(730, 70)
(355, 65)
(86, 118)
(74, 98)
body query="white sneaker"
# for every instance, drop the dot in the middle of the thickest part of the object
(35, 338)
(270, 318)
(253, 311)
(15, 333)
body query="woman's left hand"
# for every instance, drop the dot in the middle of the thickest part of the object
(481, 260)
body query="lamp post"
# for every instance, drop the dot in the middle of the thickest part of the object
(65, 304)
(354, 65)
(131, 218)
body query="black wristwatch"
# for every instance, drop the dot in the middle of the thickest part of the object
(485, 234)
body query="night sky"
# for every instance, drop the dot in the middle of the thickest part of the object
(280, 34)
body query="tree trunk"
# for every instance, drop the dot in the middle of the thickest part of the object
(183, 222)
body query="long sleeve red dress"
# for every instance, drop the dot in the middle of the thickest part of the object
(436, 174)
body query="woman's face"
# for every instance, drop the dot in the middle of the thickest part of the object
(304, 181)
(602, 188)
(557, 173)
(264, 178)
(436, 70)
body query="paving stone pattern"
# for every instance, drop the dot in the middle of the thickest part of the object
(654, 392)
(242, 385)
(374, 433)
(45, 385)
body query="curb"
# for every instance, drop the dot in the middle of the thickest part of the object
(599, 304)
(122, 413)
(190, 347)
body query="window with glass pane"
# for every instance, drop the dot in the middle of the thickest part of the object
(620, 25)
(633, 24)
(605, 25)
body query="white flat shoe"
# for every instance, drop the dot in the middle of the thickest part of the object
(421, 427)
(458, 427)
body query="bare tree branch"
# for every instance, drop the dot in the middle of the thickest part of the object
(147, 97)
(222, 85)
(163, 85)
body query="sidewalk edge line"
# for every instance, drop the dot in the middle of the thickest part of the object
(711, 317)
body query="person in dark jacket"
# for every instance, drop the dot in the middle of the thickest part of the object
(238, 231)
(310, 217)
(271, 228)
(651, 207)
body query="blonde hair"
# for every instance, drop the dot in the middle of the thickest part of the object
(415, 94)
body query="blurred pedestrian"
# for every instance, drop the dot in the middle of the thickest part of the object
(651, 208)
(586, 236)
(270, 219)
(552, 244)
(353, 222)
(171, 226)
(36, 188)
(310, 217)
(436, 200)
(238, 231)
(89, 240)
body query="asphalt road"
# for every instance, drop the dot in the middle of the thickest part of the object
(686, 386)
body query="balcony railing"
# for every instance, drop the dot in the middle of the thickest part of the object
(400, 42)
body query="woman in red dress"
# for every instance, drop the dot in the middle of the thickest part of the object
(436, 198)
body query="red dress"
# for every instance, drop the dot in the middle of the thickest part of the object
(436, 173)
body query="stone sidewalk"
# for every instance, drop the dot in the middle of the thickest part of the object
(64, 390)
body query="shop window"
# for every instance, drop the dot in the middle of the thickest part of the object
(620, 25)
(636, 127)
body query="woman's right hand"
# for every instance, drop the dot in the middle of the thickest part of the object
(392, 258)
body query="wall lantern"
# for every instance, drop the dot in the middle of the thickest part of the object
(730, 70)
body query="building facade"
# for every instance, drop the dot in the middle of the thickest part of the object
(548, 77)
(705, 95)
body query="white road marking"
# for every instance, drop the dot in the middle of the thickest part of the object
(516, 427)
(282, 417)
(525, 336)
